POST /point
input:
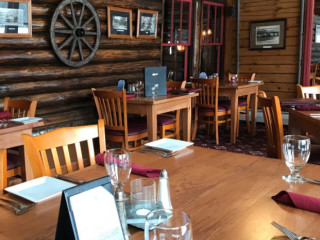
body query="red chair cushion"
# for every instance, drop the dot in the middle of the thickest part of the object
(164, 119)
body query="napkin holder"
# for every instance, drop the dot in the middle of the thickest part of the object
(66, 226)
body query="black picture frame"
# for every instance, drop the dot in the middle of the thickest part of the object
(147, 24)
(119, 22)
(15, 19)
(270, 34)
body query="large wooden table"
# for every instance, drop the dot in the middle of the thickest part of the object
(234, 92)
(301, 122)
(151, 107)
(227, 195)
(10, 136)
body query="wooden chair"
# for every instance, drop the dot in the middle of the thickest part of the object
(244, 101)
(17, 108)
(207, 107)
(112, 107)
(273, 121)
(308, 91)
(20, 107)
(64, 150)
(314, 74)
(169, 125)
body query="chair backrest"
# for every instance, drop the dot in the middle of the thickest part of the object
(243, 77)
(273, 121)
(20, 107)
(64, 150)
(176, 84)
(308, 91)
(208, 96)
(112, 108)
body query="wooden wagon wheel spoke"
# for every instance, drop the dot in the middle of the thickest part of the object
(82, 40)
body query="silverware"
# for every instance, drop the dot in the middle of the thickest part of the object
(18, 207)
(163, 153)
(291, 235)
(311, 180)
(69, 179)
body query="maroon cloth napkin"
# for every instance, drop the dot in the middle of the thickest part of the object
(5, 115)
(130, 96)
(297, 200)
(135, 169)
(145, 171)
(308, 108)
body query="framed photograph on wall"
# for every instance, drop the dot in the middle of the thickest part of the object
(317, 34)
(119, 22)
(268, 34)
(147, 24)
(15, 18)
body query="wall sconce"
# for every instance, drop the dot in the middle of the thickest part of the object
(180, 48)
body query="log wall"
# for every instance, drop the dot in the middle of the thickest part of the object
(278, 68)
(30, 69)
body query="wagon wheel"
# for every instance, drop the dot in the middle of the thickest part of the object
(75, 32)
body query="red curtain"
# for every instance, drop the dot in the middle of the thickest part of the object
(309, 6)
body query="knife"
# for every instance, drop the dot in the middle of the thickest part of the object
(69, 179)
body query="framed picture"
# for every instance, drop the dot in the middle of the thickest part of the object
(119, 22)
(15, 18)
(317, 34)
(147, 24)
(268, 34)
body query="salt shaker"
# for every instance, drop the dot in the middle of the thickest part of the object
(164, 190)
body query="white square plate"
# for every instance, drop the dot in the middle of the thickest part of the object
(26, 120)
(39, 189)
(168, 144)
(255, 81)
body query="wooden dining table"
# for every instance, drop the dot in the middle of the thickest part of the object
(151, 107)
(10, 136)
(301, 122)
(234, 92)
(227, 195)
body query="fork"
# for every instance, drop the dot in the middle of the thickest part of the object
(291, 235)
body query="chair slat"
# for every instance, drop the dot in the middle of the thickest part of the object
(79, 155)
(66, 155)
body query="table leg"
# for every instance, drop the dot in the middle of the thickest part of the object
(254, 106)
(234, 117)
(152, 123)
(186, 122)
(3, 170)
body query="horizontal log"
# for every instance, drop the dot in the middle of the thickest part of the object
(59, 85)
(268, 60)
(38, 73)
(15, 58)
(276, 68)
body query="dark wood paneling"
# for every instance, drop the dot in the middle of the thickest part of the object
(30, 69)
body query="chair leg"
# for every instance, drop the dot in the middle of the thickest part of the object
(248, 120)
(195, 125)
(216, 126)
(238, 123)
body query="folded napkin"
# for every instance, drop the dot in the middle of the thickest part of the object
(145, 171)
(135, 169)
(308, 108)
(5, 115)
(130, 96)
(297, 200)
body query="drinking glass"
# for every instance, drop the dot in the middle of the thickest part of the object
(118, 165)
(154, 91)
(168, 224)
(139, 86)
(296, 151)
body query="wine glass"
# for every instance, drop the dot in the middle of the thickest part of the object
(296, 151)
(139, 86)
(118, 165)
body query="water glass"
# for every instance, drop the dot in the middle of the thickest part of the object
(154, 91)
(143, 196)
(296, 151)
(168, 224)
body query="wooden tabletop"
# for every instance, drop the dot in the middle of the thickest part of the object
(227, 195)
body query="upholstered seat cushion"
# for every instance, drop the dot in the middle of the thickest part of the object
(308, 108)
(134, 128)
(164, 119)
(227, 103)
(12, 161)
(221, 108)
(5, 115)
